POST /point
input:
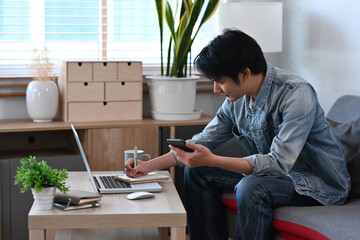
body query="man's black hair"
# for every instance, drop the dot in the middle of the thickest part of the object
(229, 54)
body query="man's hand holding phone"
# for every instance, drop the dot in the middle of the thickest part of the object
(191, 154)
(180, 143)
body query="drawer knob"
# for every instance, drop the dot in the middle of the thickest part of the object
(129, 64)
(85, 83)
(31, 139)
(105, 103)
(79, 63)
(122, 83)
(104, 63)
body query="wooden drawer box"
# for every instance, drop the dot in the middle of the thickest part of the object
(105, 71)
(100, 91)
(129, 71)
(84, 92)
(105, 111)
(79, 72)
(122, 91)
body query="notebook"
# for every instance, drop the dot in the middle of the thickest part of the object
(68, 207)
(151, 177)
(106, 183)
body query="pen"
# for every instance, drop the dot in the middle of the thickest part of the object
(135, 156)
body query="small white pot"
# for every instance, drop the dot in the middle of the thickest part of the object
(172, 98)
(42, 100)
(44, 200)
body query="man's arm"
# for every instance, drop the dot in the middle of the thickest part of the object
(204, 157)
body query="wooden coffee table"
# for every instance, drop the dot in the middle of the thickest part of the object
(116, 212)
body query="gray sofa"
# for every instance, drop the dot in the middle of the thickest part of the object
(318, 222)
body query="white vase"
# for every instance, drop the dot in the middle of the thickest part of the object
(44, 200)
(42, 100)
(173, 98)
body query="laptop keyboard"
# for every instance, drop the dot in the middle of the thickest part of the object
(111, 183)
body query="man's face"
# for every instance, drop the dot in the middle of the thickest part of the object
(228, 88)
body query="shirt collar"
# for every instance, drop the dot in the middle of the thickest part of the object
(265, 87)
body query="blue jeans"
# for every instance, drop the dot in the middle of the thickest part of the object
(255, 197)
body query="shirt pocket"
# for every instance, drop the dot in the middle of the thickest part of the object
(261, 138)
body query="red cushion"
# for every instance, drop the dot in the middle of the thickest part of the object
(295, 231)
(288, 236)
(230, 205)
(286, 230)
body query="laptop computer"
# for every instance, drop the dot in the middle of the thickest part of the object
(105, 183)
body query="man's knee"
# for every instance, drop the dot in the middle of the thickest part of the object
(248, 189)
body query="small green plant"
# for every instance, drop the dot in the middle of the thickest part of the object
(38, 175)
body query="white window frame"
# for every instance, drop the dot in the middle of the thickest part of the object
(101, 48)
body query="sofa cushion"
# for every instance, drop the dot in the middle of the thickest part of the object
(285, 230)
(320, 222)
(348, 135)
(314, 222)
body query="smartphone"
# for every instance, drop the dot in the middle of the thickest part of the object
(180, 143)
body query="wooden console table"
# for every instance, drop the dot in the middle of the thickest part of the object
(104, 142)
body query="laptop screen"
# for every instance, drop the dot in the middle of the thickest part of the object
(84, 157)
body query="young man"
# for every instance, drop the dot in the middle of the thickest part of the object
(294, 158)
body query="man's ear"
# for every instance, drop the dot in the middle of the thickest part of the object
(244, 74)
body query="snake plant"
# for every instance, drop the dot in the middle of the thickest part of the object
(184, 24)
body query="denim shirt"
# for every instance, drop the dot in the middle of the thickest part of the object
(285, 133)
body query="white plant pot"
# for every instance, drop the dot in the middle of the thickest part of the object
(173, 98)
(44, 200)
(42, 100)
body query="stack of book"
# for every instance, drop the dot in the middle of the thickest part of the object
(76, 199)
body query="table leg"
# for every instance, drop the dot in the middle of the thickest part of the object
(177, 233)
(38, 234)
(42, 234)
(51, 234)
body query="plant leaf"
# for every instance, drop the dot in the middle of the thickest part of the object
(185, 38)
(160, 10)
(169, 18)
(184, 26)
(184, 17)
(209, 11)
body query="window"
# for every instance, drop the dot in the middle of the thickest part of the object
(122, 30)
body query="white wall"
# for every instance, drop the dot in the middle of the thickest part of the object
(321, 43)
(13, 108)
